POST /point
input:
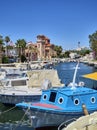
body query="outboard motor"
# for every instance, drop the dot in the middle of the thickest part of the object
(46, 84)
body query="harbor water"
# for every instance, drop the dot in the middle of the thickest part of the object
(12, 118)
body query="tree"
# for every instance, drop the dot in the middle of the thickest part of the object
(66, 54)
(1, 43)
(83, 52)
(93, 43)
(7, 40)
(58, 49)
(21, 45)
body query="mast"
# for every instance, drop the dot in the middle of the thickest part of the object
(74, 77)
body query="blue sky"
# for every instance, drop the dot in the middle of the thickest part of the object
(64, 22)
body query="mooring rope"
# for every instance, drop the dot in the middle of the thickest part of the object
(7, 110)
(20, 122)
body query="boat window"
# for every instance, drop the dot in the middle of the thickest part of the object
(19, 83)
(45, 96)
(93, 100)
(76, 101)
(60, 100)
(52, 97)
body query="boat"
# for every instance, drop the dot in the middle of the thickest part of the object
(26, 85)
(16, 89)
(58, 105)
(2, 74)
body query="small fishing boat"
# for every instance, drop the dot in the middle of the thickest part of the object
(58, 105)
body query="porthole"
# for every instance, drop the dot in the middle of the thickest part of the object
(60, 100)
(93, 100)
(76, 101)
(44, 96)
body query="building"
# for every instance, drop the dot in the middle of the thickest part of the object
(41, 50)
(31, 51)
(45, 48)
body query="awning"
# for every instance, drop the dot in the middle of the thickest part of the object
(91, 76)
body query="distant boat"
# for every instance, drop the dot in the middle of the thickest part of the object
(58, 105)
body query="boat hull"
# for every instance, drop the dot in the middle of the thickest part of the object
(14, 99)
(41, 118)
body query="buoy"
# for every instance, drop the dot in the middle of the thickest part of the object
(85, 109)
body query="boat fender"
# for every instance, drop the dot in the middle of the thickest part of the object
(85, 109)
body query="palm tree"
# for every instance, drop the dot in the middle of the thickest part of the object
(7, 40)
(21, 45)
(1, 43)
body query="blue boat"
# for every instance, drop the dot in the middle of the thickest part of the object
(58, 105)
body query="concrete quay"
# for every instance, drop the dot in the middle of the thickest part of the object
(38, 77)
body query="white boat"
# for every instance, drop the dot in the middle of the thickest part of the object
(14, 90)
(10, 72)
(17, 88)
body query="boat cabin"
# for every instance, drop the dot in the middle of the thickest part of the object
(68, 99)
(16, 83)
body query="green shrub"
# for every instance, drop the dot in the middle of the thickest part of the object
(23, 58)
(5, 59)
